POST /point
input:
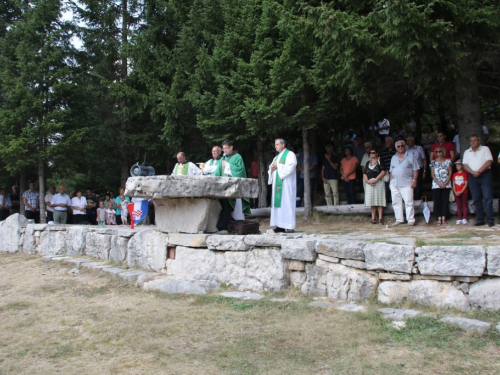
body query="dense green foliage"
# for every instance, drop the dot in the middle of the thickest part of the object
(154, 77)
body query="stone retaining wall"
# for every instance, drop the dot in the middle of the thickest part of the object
(442, 276)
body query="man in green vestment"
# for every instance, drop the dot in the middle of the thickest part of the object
(232, 165)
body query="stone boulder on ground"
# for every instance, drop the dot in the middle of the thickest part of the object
(485, 294)
(148, 250)
(10, 233)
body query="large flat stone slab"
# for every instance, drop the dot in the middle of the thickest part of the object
(451, 260)
(341, 249)
(299, 249)
(176, 285)
(438, 294)
(158, 187)
(393, 291)
(187, 240)
(485, 294)
(493, 260)
(52, 242)
(187, 215)
(468, 324)
(227, 243)
(394, 258)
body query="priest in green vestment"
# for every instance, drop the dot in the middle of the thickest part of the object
(232, 165)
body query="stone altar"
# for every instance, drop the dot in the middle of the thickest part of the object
(189, 204)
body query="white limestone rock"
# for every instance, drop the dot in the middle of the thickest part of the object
(349, 284)
(227, 243)
(468, 324)
(242, 295)
(188, 240)
(97, 245)
(296, 265)
(258, 240)
(451, 260)
(493, 260)
(260, 269)
(299, 249)
(393, 258)
(29, 243)
(393, 291)
(148, 250)
(341, 249)
(398, 314)
(187, 215)
(354, 263)
(52, 242)
(10, 233)
(118, 248)
(76, 239)
(485, 294)
(131, 275)
(158, 187)
(315, 283)
(175, 285)
(438, 294)
(297, 278)
(328, 259)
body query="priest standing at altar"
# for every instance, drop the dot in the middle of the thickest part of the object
(283, 177)
(184, 167)
(232, 165)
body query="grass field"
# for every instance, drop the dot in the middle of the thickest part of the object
(55, 323)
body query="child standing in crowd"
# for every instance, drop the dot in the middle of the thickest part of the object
(101, 214)
(460, 188)
(110, 215)
(119, 200)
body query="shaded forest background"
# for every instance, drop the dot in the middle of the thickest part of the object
(82, 99)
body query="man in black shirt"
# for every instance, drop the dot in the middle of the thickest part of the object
(91, 208)
(386, 157)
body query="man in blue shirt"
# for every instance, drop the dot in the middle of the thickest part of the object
(330, 176)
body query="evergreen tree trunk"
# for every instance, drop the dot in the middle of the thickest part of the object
(468, 105)
(41, 185)
(262, 174)
(124, 167)
(307, 182)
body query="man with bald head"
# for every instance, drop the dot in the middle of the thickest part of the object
(60, 203)
(185, 167)
(211, 165)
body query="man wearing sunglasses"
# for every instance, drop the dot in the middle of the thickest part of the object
(403, 179)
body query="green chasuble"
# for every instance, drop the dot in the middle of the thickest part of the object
(237, 170)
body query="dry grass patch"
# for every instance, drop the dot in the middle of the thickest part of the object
(52, 322)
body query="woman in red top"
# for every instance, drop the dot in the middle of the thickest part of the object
(348, 167)
(460, 188)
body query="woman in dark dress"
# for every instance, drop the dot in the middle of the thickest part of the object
(373, 175)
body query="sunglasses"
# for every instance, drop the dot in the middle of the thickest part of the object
(438, 151)
(372, 152)
(400, 146)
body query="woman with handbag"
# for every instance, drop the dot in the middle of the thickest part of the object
(373, 175)
(441, 173)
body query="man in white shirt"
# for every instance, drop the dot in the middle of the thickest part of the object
(477, 162)
(60, 203)
(419, 153)
(283, 179)
(48, 204)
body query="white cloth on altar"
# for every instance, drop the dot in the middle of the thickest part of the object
(193, 170)
(284, 216)
(210, 166)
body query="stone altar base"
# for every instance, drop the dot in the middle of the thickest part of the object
(187, 215)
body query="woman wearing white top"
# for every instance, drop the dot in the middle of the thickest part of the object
(78, 204)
